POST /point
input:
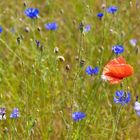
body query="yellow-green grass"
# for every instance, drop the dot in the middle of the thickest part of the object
(45, 92)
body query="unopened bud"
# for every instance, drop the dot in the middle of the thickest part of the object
(56, 50)
(25, 3)
(82, 62)
(5, 130)
(27, 30)
(61, 58)
(41, 48)
(18, 40)
(76, 58)
(103, 6)
(67, 67)
(61, 11)
(137, 50)
(39, 29)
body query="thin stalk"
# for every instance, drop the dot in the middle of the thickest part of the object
(75, 80)
(78, 69)
(115, 128)
(7, 46)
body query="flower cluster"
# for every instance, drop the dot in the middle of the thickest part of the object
(100, 15)
(78, 116)
(118, 49)
(122, 97)
(87, 28)
(2, 113)
(137, 108)
(15, 113)
(114, 71)
(133, 42)
(92, 71)
(112, 9)
(32, 12)
(51, 26)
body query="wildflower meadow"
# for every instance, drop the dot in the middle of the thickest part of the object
(69, 70)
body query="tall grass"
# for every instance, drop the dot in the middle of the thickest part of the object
(34, 80)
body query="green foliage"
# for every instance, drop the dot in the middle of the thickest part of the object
(36, 80)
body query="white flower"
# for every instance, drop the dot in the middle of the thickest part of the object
(137, 107)
(104, 77)
(133, 42)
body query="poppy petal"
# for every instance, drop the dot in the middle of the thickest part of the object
(116, 70)
(112, 80)
(119, 71)
(118, 60)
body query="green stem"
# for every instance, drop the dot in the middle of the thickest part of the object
(7, 46)
(80, 47)
(115, 128)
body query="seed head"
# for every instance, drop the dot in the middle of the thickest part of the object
(61, 58)
(56, 50)
(27, 30)
(67, 67)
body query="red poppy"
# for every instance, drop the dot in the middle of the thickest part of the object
(117, 69)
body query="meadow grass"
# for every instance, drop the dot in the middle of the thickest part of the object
(37, 82)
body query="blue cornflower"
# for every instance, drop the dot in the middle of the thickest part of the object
(32, 12)
(51, 26)
(122, 97)
(2, 113)
(91, 71)
(112, 9)
(118, 49)
(1, 29)
(78, 116)
(15, 113)
(87, 28)
(100, 15)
